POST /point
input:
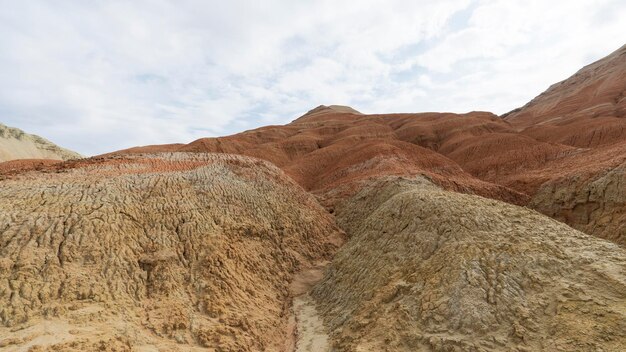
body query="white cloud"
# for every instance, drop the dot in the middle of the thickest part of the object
(100, 76)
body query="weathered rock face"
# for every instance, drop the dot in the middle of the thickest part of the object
(431, 270)
(575, 130)
(585, 186)
(596, 206)
(16, 144)
(189, 250)
(573, 133)
(155, 251)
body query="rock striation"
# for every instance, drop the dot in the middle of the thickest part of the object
(596, 205)
(237, 243)
(587, 112)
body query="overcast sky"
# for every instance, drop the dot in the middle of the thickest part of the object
(97, 76)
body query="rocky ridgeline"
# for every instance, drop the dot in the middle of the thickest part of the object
(557, 145)
(193, 251)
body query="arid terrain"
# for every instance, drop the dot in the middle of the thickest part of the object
(563, 153)
(433, 270)
(182, 251)
(15, 144)
(339, 231)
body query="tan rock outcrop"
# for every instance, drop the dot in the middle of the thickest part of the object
(432, 270)
(596, 206)
(161, 251)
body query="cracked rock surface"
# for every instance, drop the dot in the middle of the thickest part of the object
(596, 206)
(169, 251)
(431, 270)
(571, 134)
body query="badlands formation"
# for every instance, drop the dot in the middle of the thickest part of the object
(158, 252)
(563, 153)
(337, 232)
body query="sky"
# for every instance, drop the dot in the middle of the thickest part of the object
(98, 76)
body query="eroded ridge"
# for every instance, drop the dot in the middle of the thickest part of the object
(431, 270)
(172, 250)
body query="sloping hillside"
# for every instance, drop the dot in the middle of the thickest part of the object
(329, 151)
(588, 112)
(155, 252)
(431, 270)
(222, 243)
(585, 110)
(16, 144)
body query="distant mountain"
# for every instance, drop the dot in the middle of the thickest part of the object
(17, 144)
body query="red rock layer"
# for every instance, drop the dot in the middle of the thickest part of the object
(330, 152)
(572, 135)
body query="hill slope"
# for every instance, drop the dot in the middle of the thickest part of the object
(329, 152)
(159, 251)
(588, 112)
(431, 270)
(585, 110)
(205, 245)
(16, 144)
(561, 153)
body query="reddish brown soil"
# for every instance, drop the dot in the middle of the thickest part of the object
(204, 250)
(575, 132)
(586, 112)
(18, 166)
(330, 152)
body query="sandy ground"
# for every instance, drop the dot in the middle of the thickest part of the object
(306, 326)
(311, 333)
(16, 144)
